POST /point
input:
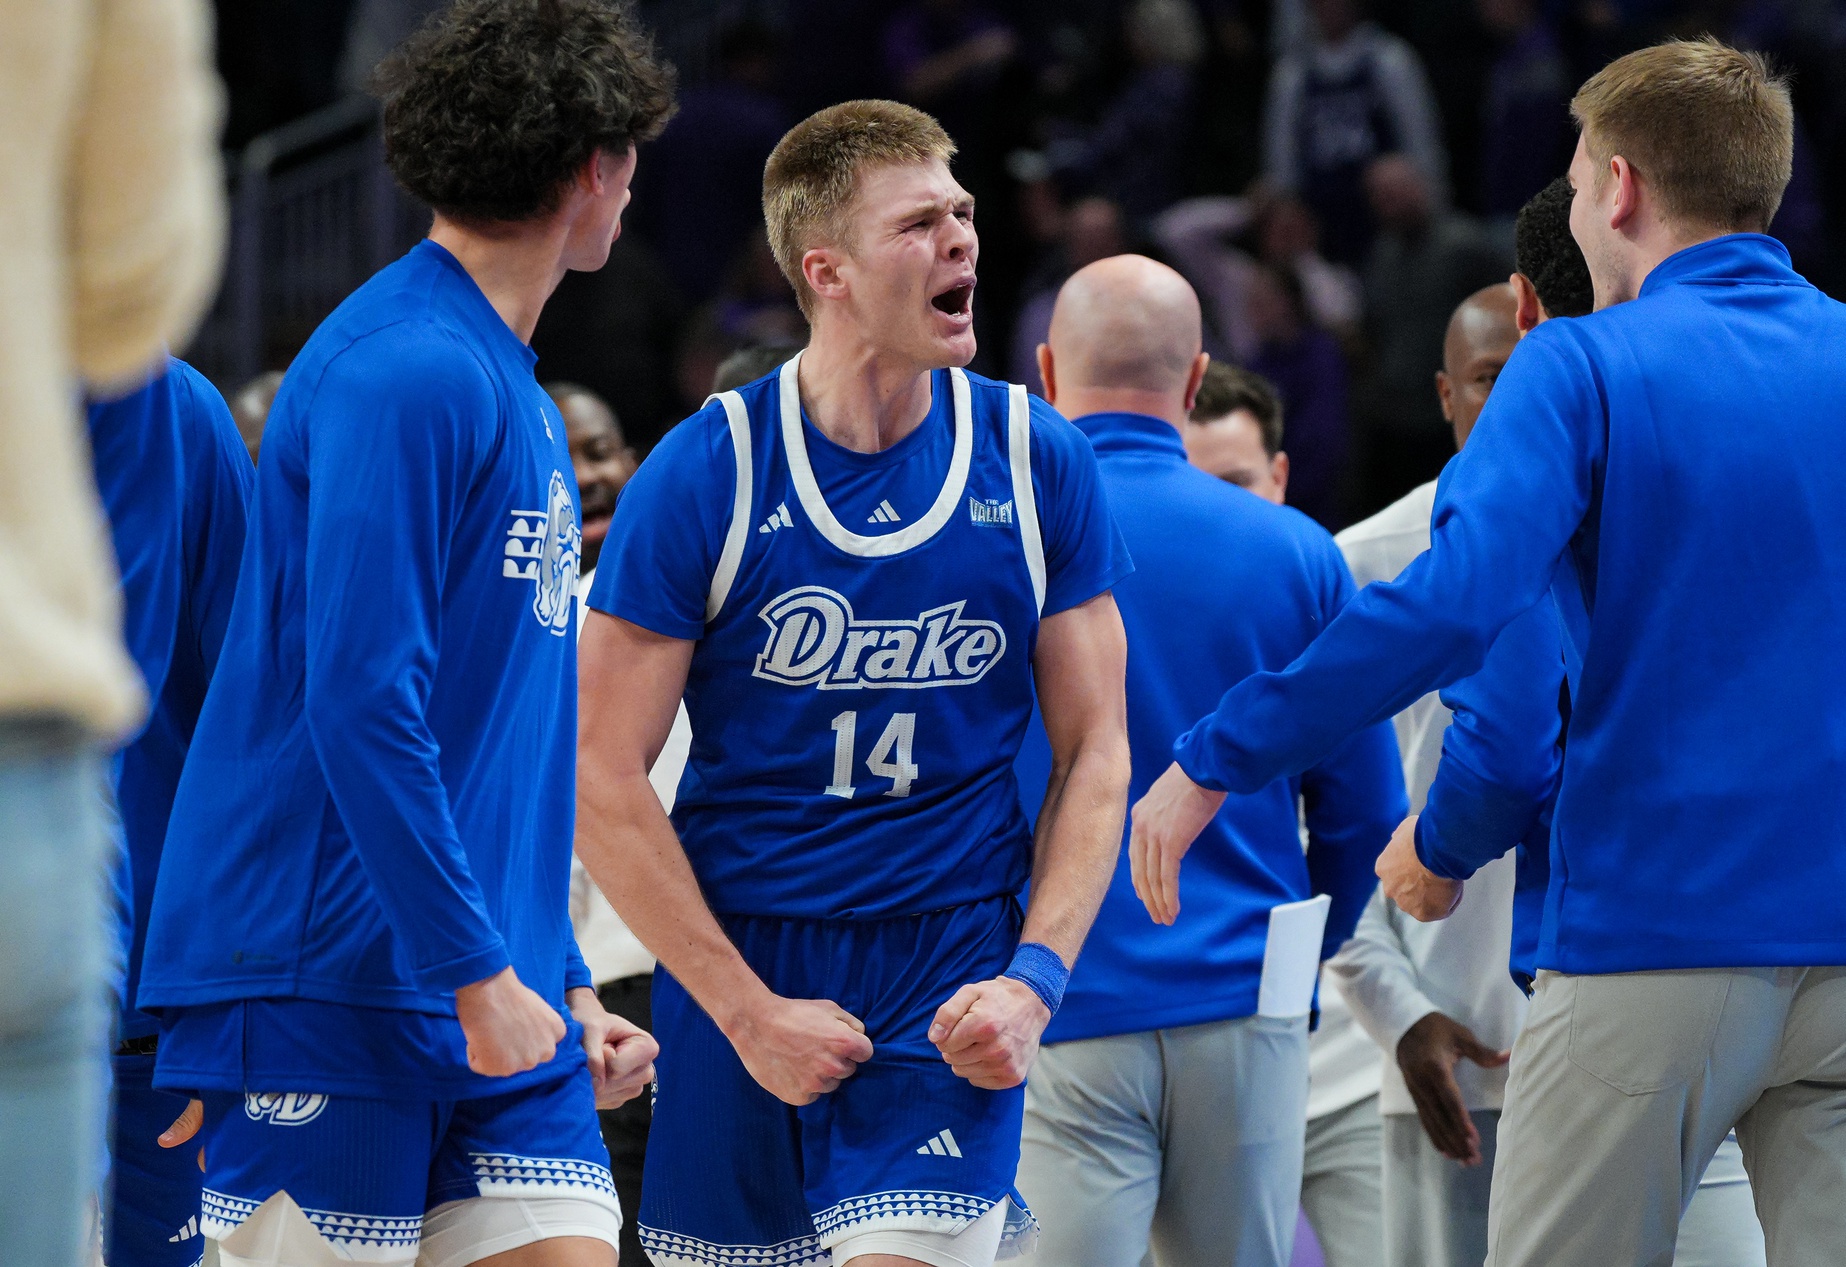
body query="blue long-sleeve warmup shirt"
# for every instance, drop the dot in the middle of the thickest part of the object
(1674, 464)
(377, 807)
(1225, 584)
(176, 480)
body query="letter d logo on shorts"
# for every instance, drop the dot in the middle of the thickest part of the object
(283, 1108)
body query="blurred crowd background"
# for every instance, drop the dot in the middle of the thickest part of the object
(1333, 175)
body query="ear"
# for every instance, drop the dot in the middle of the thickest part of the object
(1046, 375)
(1278, 471)
(1527, 311)
(1194, 378)
(820, 268)
(1627, 192)
(1442, 394)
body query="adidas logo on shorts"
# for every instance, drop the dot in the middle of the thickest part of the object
(942, 1144)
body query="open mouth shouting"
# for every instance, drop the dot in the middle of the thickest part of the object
(956, 303)
(598, 501)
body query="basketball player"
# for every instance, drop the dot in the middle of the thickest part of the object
(1697, 823)
(856, 570)
(360, 945)
(1168, 1105)
(175, 479)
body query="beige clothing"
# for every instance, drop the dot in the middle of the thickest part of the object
(111, 226)
(1623, 1087)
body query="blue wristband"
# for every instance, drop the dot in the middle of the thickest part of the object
(1040, 969)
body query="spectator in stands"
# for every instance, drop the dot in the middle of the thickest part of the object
(1090, 229)
(1235, 432)
(1308, 370)
(1353, 94)
(250, 408)
(1526, 134)
(111, 195)
(946, 57)
(698, 196)
(1136, 154)
(1211, 241)
(1426, 261)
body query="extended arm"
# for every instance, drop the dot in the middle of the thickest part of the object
(630, 683)
(1509, 505)
(989, 1031)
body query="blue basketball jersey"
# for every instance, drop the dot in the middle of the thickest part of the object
(863, 675)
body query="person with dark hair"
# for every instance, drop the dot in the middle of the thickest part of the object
(748, 364)
(361, 948)
(1551, 278)
(1234, 431)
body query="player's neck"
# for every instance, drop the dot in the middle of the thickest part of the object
(859, 399)
(517, 266)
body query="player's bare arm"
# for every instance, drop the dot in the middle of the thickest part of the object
(989, 1031)
(630, 682)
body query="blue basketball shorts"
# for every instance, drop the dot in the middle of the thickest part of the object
(734, 1176)
(366, 1172)
(152, 1217)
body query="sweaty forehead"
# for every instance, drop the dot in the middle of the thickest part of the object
(586, 418)
(1484, 327)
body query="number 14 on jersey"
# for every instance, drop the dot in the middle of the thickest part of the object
(890, 757)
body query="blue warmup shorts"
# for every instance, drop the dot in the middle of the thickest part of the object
(153, 1212)
(365, 1171)
(734, 1176)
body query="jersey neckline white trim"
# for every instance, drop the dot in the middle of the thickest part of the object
(807, 490)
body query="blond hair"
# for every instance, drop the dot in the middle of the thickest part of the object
(813, 173)
(1710, 128)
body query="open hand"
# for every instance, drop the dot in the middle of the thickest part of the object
(1166, 822)
(800, 1049)
(1427, 1055)
(989, 1031)
(621, 1054)
(1419, 892)
(509, 1027)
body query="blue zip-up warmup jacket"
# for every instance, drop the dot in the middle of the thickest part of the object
(377, 807)
(1225, 584)
(176, 481)
(1670, 468)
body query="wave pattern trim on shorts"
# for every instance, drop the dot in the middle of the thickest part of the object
(946, 1212)
(507, 1174)
(670, 1249)
(351, 1235)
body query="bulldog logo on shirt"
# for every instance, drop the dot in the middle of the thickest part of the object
(544, 547)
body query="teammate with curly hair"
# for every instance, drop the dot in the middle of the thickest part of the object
(360, 945)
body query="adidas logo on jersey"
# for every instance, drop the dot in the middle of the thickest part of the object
(990, 511)
(942, 1144)
(885, 514)
(780, 519)
(188, 1230)
(816, 640)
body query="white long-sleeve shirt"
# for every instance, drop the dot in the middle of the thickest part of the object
(1395, 970)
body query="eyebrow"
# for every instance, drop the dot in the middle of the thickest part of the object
(937, 206)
